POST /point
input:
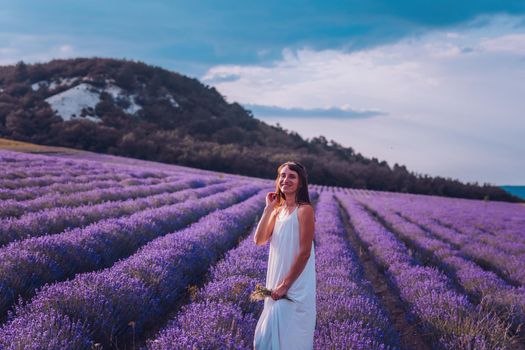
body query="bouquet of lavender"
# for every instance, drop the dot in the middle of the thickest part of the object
(262, 292)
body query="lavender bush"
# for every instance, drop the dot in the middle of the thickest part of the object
(484, 286)
(349, 315)
(56, 220)
(29, 264)
(143, 287)
(446, 316)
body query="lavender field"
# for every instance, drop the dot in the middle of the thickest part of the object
(103, 252)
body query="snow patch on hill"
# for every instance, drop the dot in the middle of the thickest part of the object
(172, 100)
(69, 104)
(118, 94)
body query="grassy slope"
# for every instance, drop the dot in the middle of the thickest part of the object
(26, 147)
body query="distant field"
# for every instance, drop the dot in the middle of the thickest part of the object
(116, 253)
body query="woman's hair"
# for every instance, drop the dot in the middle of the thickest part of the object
(302, 196)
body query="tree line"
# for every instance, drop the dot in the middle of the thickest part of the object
(202, 131)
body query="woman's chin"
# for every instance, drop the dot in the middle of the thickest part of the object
(287, 191)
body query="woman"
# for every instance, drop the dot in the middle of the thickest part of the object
(288, 223)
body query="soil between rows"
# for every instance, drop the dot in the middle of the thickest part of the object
(410, 337)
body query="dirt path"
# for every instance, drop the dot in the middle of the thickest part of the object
(410, 338)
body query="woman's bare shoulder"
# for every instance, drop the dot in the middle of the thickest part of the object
(305, 209)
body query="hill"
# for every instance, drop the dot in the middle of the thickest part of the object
(132, 109)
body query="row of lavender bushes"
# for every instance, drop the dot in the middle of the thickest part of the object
(15, 208)
(29, 264)
(22, 164)
(462, 225)
(111, 307)
(49, 180)
(500, 220)
(36, 172)
(18, 172)
(222, 316)
(446, 316)
(458, 234)
(504, 254)
(86, 184)
(55, 220)
(483, 286)
(349, 313)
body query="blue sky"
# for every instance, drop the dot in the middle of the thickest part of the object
(434, 85)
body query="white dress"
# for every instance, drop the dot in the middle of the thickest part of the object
(286, 325)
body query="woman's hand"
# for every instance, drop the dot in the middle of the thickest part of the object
(271, 200)
(280, 291)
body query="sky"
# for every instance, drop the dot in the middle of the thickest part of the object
(437, 86)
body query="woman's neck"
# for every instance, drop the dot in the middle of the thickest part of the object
(290, 202)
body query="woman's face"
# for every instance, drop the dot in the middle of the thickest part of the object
(288, 180)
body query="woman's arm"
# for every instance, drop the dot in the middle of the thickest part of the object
(305, 214)
(267, 222)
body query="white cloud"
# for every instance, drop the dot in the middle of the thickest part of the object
(66, 49)
(453, 35)
(512, 43)
(453, 99)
